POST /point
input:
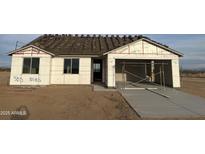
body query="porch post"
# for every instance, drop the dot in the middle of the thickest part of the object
(152, 71)
(110, 71)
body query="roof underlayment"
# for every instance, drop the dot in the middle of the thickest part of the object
(67, 44)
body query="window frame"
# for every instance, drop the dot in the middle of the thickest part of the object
(71, 64)
(30, 65)
(96, 69)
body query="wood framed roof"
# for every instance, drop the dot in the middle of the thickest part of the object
(64, 44)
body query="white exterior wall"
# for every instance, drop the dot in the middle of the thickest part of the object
(18, 78)
(50, 70)
(141, 50)
(110, 70)
(58, 76)
(175, 73)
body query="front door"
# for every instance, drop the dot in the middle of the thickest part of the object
(97, 70)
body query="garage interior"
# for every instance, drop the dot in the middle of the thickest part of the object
(143, 73)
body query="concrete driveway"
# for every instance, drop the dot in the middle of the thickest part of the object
(178, 105)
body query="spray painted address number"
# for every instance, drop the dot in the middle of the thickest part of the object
(31, 79)
(18, 79)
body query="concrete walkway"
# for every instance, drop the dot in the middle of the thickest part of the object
(179, 105)
(101, 87)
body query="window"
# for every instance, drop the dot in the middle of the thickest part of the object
(75, 66)
(67, 65)
(97, 67)
(31, 65)
(71, 66)
(26, 65)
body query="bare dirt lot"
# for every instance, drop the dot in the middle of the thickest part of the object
(193, 85)
(61, 102)
(73, 102)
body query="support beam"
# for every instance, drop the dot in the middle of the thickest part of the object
(163, 74)
(152, 71)
(160, 73)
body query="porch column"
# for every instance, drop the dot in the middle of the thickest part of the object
(110, 71)
(175, 73)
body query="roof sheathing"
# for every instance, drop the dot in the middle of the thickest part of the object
(88, 44)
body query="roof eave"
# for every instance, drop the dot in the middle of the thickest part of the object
(14, 51)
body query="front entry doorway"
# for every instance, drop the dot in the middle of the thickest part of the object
(97, 70)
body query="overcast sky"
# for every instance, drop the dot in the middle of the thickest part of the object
(192, 46)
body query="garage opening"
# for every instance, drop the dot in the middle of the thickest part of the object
(143, 73)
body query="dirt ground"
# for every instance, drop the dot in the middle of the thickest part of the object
(73, 102)
(193, 85)
(60, 102)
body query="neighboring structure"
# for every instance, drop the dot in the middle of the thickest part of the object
(84, 59)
